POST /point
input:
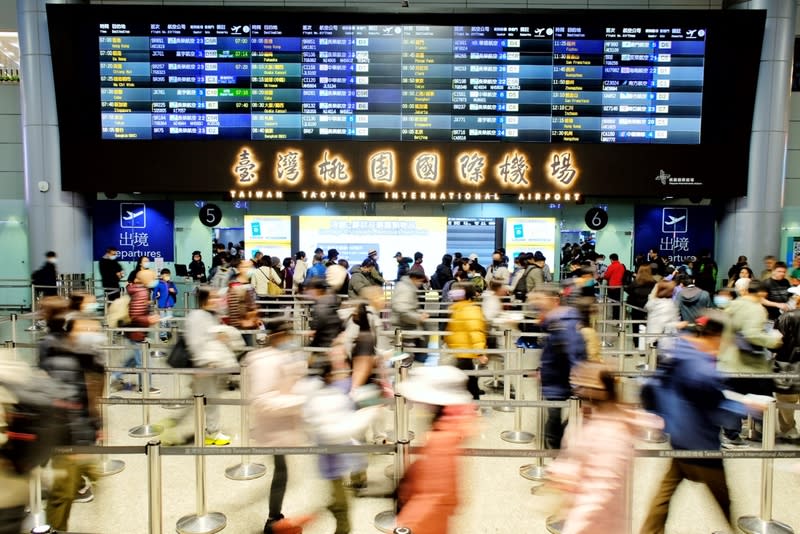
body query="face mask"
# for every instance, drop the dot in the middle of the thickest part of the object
(90, 307)
(689, 271)
(165, 278)
(91, 339)
(52, 260)
(145, 265)
(496, 263)
(721, 301)
(153, 284)
(112, 257)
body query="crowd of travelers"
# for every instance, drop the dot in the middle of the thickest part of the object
(700, 325)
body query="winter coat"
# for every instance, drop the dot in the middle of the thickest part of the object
(299, 275)
(466, 329)
(500, 272)
(358, 281)
(405, 306)
(210, 343)
(139, 310)
(662, 314)
(748, 317)
(638, 294)
(692, 301)
(442, 275)
(163, 297)
(276, 409)
(325, 321)
(429, 491)
(593, 469)
(261, 278)
(563, 348)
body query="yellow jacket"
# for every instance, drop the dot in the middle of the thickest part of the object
(467, 328)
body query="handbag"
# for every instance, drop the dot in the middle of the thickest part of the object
(748, 349)
(273, 289)
(180, 357)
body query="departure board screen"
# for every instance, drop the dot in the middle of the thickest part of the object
(374, 104)
(246, 79)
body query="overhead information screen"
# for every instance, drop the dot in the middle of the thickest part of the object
(251, 80)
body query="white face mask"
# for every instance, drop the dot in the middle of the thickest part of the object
(52, 260)
(145, 265)
(112, 257)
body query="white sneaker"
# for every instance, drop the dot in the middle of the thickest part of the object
(792, 434)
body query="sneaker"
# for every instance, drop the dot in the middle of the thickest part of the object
(790, 435)
(217, 439)
(173, 439)
(85, 494)
(733, 443)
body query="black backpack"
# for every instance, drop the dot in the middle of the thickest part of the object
(36, 423)
(521, 289)
(627, 278)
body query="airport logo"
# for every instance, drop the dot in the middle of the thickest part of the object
(132, 215)
(675, 220)
(667, 179)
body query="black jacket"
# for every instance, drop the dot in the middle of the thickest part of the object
(109, 273)
(442, 275)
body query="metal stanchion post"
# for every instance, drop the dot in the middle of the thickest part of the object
(623, 331)
(763, 523)
(107, 466)
(245, 470)
(37, 515)
(606, 305)
(34, 327)
(185, 302)
(145, 430)
(536, 471)
(402, 530)
(497, 384)
(517, 435)
(14, 327)
(507, 382)
(202, 522)
(385, 521)
(154, 486)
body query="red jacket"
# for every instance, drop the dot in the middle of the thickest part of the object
(139, 310)
(429, 489)
(614, 274)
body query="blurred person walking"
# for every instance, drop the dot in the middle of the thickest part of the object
(687, 394)
(614, 275)
(407, 313)
(428, 494)
(787, 360)
(562, 350)
(638, 293)
(277, 414)
(142, 316)
(300, 270)
(45, 278)
(593, 467)
(662, 313)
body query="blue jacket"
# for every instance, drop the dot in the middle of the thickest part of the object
(315, 271)
(163, 296)
(687, 394)
(563, 348)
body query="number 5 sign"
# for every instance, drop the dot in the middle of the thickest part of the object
(596, 218)
(210, 215)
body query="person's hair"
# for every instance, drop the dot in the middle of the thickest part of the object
(317, 257)
(494, 285)
(644, 274)
(279, 328)
(416, 274)
(711, 324)
(54, 311)
(344, 263)
(614, 256)
(468, 288)
(50, 254)
(361, 317)
(111, 249)
(586, 270)
(287, 262)
(203, 295)
(165, 271)
(664, 289)
(300, 255)
(367, 263)
(140, 260)
(780, 265)
(447, 260)
(235, 261)
(417, 256)
(755, 286)
(769, 257)
(742, 259)
(745, 268)
(457, 255)
(548, 290)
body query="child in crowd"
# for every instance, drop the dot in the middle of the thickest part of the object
(165, 294)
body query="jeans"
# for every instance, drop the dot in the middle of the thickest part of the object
(134, 357)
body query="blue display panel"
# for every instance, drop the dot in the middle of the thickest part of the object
(400, 82)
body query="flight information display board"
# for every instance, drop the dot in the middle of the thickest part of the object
(300, 80)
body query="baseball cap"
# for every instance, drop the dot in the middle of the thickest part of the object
(473, 256)
(372, 252)
(398, 255)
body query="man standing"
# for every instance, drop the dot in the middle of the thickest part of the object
(361, 278)
(563, 348)
(417, 267)
(403, 264)
(111, 273)
(45, 278)
(406, 312)
(614, 275)
(769, 264)
(777, 287)
(498, 270)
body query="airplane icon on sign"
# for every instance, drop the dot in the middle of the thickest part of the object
(690, 33)
(235, 29)
(672, 220)
(131, 215)
(539, 31)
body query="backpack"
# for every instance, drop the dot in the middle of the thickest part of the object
(35, 422)
(119, 312)
(627, 278)
(221, 278)
(180, 357)
(521, 289)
